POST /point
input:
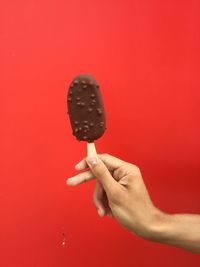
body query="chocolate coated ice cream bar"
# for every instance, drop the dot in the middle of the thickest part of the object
(85, 109)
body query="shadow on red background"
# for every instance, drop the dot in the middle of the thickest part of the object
(145, 55)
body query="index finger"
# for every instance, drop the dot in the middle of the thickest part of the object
(111, 162)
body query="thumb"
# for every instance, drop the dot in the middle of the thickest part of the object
(102, 173)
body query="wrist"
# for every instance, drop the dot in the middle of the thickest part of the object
(151, 227)
(159, 227)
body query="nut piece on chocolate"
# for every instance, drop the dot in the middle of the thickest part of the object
(85, 109)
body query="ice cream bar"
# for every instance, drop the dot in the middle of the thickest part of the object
(85, 109)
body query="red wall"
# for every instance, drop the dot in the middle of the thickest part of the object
(145, 55)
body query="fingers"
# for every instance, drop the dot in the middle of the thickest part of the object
(103, 175)
(107, 164)
(80, 178)
(111, 162)
(81, 165)
(98, 199)
(101, 201)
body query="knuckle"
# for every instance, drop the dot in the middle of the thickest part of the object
(126, 180)
(135, 169)
(118, 173)
(122, 171)
(105, 155)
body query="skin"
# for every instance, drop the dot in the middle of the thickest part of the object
(120, 192)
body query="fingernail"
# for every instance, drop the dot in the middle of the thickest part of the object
(69, 181)
(92, 160)
(76, 166)
(100, 212)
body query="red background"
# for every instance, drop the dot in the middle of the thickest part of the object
(145, 56)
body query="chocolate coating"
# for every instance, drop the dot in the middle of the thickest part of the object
(85, 108)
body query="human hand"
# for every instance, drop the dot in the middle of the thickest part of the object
(120, 192)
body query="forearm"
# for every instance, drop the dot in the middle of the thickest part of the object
(180, 230)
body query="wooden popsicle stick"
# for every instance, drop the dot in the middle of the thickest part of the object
(91, 149)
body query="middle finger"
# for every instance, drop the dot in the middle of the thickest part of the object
(80, 178)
